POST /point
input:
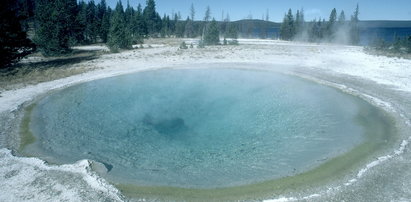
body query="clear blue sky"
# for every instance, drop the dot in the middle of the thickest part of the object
(241, 9)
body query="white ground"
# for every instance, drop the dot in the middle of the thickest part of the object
(384, 81)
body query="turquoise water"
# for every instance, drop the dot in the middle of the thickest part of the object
(203, 128)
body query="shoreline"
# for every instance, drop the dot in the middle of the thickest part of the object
(103, 73)
(379, 131)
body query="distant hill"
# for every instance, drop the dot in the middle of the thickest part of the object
(385, 24)
(268, 29)
(244, 25)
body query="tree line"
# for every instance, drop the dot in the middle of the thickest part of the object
(87, 23)
(399, 45)
(60, 24)
(336, 30)
(54, 26)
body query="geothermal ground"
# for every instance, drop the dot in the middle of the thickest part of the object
(382, 81)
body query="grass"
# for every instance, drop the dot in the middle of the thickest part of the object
(48, 69)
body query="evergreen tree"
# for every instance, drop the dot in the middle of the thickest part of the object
(80, 24)
(101, 9)
(331, 26)
(341, 18)
(141, 26)
(409, 44)
(173, 24)
(131, 22)
(207, 15)
(105, 25)
(298, 22)
(302, 17)
(54, 20)
(312, 30)
(152, 18)
(354, 29)
(192, 12)
(318, 28)
(25, 13)
(397, 43)
(14, 44)
(300, 26)
(284, 28)
(189, 29)
(165, 30)
(104, 20)
(291, 25)
(129, 14)
(119, 37)
(212, 34)
(287, 30)
(92, 22)
(232, 31)
(180, 28)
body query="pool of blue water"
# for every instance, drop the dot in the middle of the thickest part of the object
(197, 128)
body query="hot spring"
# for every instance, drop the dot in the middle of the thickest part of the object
(198, 128)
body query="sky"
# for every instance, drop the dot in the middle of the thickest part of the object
(256, 9)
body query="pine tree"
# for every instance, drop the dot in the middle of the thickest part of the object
(104, 20)
(312, 31)
(207, 15)
(297, 22)
(317, 30)
(14, 44)
(165, 30)
(152, 18)
(180, 28)
(284, 28)
(192, 12)
(80, 24)
(354, 29)
(232, 31)
(287, 31)
(397, 43)
(92, 22)
(129, 14)
(300, 27)
(212, 34)
(119, 37)
(141, 26)
(130, 20)
(105, 25)
(26, 13)
(331, 26)
(189, 29)
(409, 44)
(341, 18)
(54, 25)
